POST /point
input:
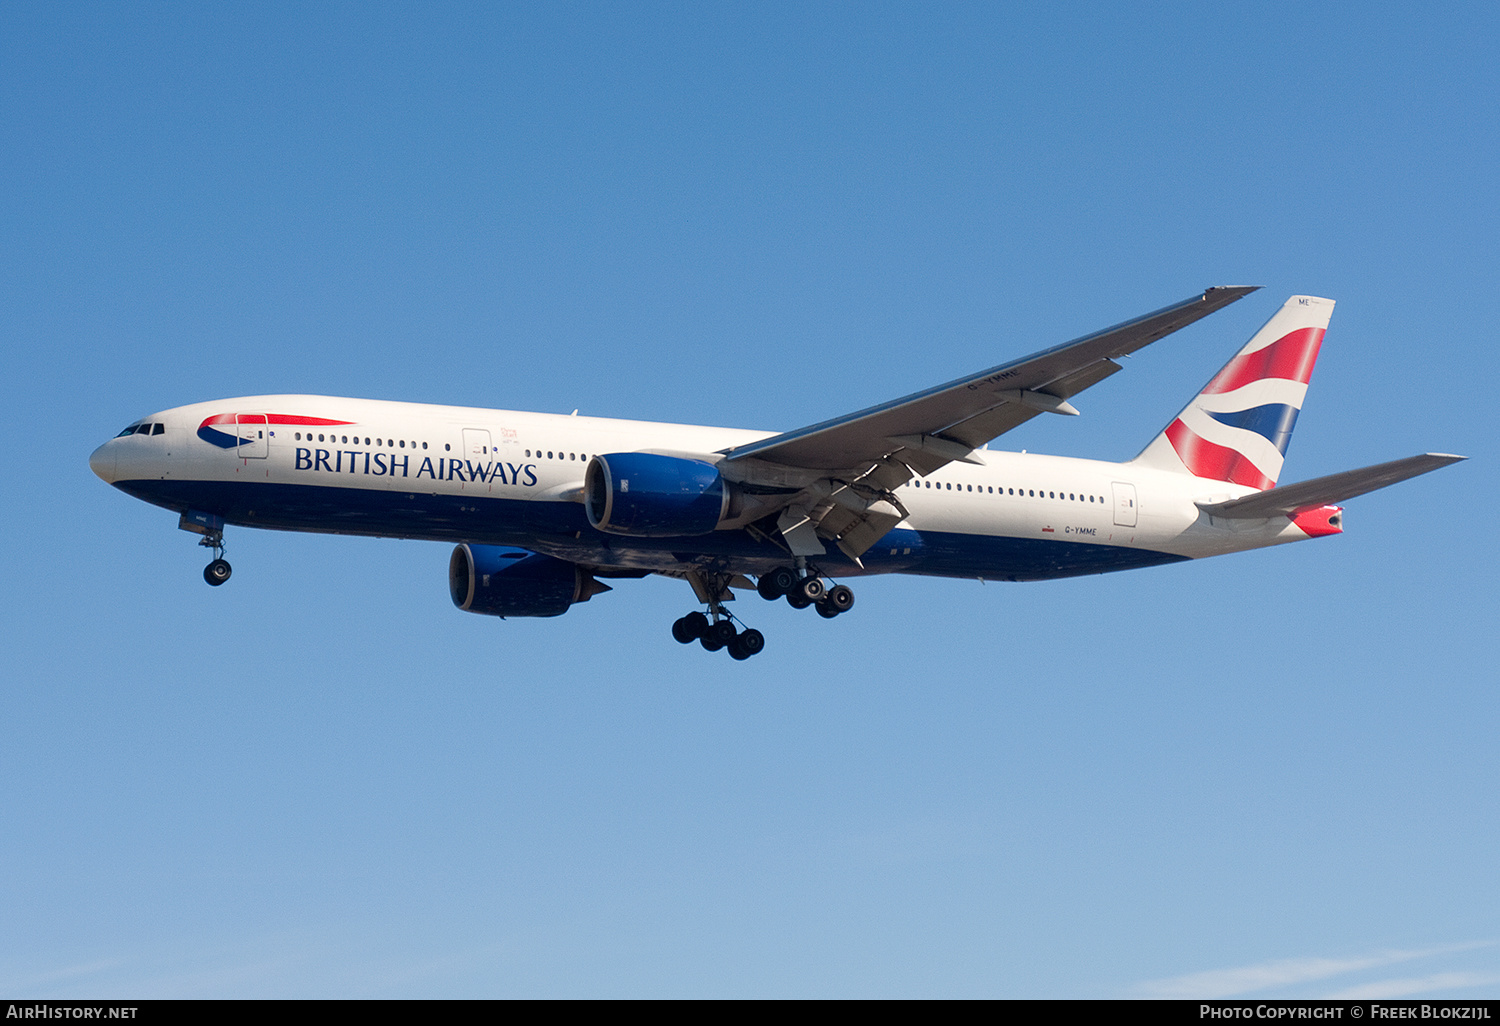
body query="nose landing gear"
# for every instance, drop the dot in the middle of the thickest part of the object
(218, 571)
(212, 529)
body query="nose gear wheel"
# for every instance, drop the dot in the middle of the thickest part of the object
(218, 571)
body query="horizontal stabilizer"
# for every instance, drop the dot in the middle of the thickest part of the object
(1325, 491)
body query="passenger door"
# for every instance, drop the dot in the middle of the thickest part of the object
(251, 428)
(477, 445)
(1125, 510)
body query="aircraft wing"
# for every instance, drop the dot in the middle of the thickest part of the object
(929, 429)
(1325, 491)
(847, 469)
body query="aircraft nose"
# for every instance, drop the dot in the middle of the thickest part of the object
(102, 463)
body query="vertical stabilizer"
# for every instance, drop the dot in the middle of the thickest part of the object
(1238, 427)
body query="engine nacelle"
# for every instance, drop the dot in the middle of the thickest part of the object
(498, 580)
(648, 495)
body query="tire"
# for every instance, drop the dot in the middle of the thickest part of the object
(737, 651)
(680, 631)
(710, 643)
(217, 572)
(723, 632)
(693, 625)
(795, 600)
(826, 610)
(784, 578)
(766, 588)
(840, 598)
(811, 588)
(751, 642)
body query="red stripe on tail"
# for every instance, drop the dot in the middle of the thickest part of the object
(1205, 459)
(1291, 357)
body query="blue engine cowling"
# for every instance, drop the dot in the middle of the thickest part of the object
(647, 495)
(501, 581)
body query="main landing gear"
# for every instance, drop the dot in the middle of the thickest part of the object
(801, 592)
(719, 633)
(716, 630)
(801, 589)
(218, 571)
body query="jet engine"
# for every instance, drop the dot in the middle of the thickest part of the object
(649, 495)
(498, 580)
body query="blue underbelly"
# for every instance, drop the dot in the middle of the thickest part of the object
(562, 529)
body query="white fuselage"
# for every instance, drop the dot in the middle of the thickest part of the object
(317, 463)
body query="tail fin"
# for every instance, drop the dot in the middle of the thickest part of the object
(1238, 427)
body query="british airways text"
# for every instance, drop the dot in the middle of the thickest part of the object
(381, 464)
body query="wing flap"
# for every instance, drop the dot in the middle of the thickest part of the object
(1326, 491)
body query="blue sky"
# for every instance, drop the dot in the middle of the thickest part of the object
(1269, 774)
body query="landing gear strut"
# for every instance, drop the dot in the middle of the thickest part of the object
(719, 632)
(211, 527)
(218, 571)
(800, 586)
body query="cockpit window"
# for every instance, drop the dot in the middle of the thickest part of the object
(144, 429)
(128, 431)
(158, 429)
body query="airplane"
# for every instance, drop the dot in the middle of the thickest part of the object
(545, 508)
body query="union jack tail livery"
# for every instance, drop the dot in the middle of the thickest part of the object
(1238, 427)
